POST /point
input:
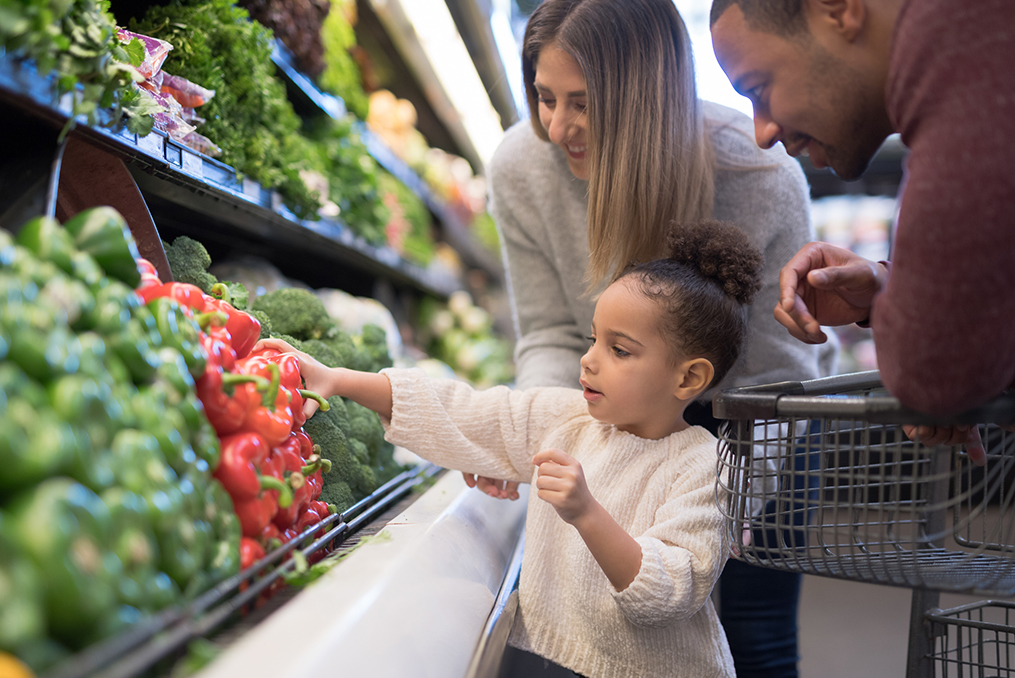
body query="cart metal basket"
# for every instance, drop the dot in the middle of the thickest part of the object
(974, 641)
(828, 484)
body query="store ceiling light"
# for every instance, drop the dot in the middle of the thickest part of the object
(449, 58)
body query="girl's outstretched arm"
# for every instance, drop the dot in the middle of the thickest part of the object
(370, 390)
(561, 483)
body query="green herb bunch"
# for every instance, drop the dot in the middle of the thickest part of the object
(76, 41)
(352, 177)
(341, 74)
(217, 46)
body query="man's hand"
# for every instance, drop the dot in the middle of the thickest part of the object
(826, 285)
(498, 489)
(561, 483)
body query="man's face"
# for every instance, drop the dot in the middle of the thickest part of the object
(804, 94)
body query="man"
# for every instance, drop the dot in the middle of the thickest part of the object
(833, 78)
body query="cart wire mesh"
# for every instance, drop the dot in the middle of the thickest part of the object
(973, 641)
(818, 477)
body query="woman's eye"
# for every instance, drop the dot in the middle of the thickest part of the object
(545, 101)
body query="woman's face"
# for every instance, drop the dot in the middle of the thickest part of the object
(560, 85)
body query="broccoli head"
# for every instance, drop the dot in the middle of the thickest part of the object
(324, 430)
(296, 312)
(322, 352)
(374, 342)
(337, 492)
(342, 346)
(359, 451)
(189, 262)
(265, 321)
(365, 426)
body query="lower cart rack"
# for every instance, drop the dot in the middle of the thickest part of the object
(819, 477)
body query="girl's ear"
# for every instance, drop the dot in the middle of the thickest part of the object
(693, 377)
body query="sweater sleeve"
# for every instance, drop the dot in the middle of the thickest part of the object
(682, 554)
(492, 433)
(943, 327)
(549, 341)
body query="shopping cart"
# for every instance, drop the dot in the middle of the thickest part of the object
(818, 477)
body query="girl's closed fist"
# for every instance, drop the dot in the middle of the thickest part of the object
(561, 483)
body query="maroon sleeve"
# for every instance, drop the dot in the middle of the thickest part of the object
(945, 326)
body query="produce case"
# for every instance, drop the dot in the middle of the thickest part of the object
(431, 595)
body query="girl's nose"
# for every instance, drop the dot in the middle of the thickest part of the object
(587, 362)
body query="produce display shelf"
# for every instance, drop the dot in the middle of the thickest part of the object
(144, 645)
(202, 187)
(455, 231)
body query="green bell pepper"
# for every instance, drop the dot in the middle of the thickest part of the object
(134, 543)
(64, 528)
(34, 444)
(71, 298)
(46, 239)
(87, 270)
(21, 597)
(133, 345)
(103, 233)
(113, 305)
(179, 331)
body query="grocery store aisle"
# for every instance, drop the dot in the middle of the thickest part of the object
(848, 629)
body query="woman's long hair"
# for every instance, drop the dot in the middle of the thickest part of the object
(650, 160)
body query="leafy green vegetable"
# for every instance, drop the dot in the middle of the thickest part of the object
(353, 177)
(250, 118)
(75, 41)
(341, 74)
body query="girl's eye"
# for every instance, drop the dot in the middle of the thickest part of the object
(621, 353)
(591, 340)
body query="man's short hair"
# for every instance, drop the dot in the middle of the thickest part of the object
(782, 17)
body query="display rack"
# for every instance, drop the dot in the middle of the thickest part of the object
(192, 194)
(166, 634)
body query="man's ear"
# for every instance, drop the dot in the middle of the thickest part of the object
(693, 378)
(842, 17)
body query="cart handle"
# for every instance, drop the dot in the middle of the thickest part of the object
(827, 398)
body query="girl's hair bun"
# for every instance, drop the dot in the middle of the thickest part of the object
(721, 252)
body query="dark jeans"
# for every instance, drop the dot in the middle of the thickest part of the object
(758, 606)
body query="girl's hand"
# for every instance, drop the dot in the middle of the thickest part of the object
(561, 483)
(317, 377)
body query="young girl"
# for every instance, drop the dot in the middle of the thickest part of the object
(624, 540)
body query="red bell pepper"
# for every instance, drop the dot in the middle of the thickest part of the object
(228, 398)
(219, 344)
(272, 417)
(244, 328)
(250, 552)
(256, 513)
(242, 454)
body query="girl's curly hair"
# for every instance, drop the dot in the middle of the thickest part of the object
(704, 288)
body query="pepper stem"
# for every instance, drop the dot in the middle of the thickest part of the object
(221, 291)
(271, 391)
(310, 395)
(230, 379)
(285, 493)
(205, 320)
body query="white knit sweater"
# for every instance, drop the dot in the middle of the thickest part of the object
(662, 492)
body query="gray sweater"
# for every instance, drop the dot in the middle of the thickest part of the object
(540, 208)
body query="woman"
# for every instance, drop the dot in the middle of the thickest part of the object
(618, 148)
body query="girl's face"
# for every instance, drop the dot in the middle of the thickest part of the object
(628, 374)
(560, 85)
